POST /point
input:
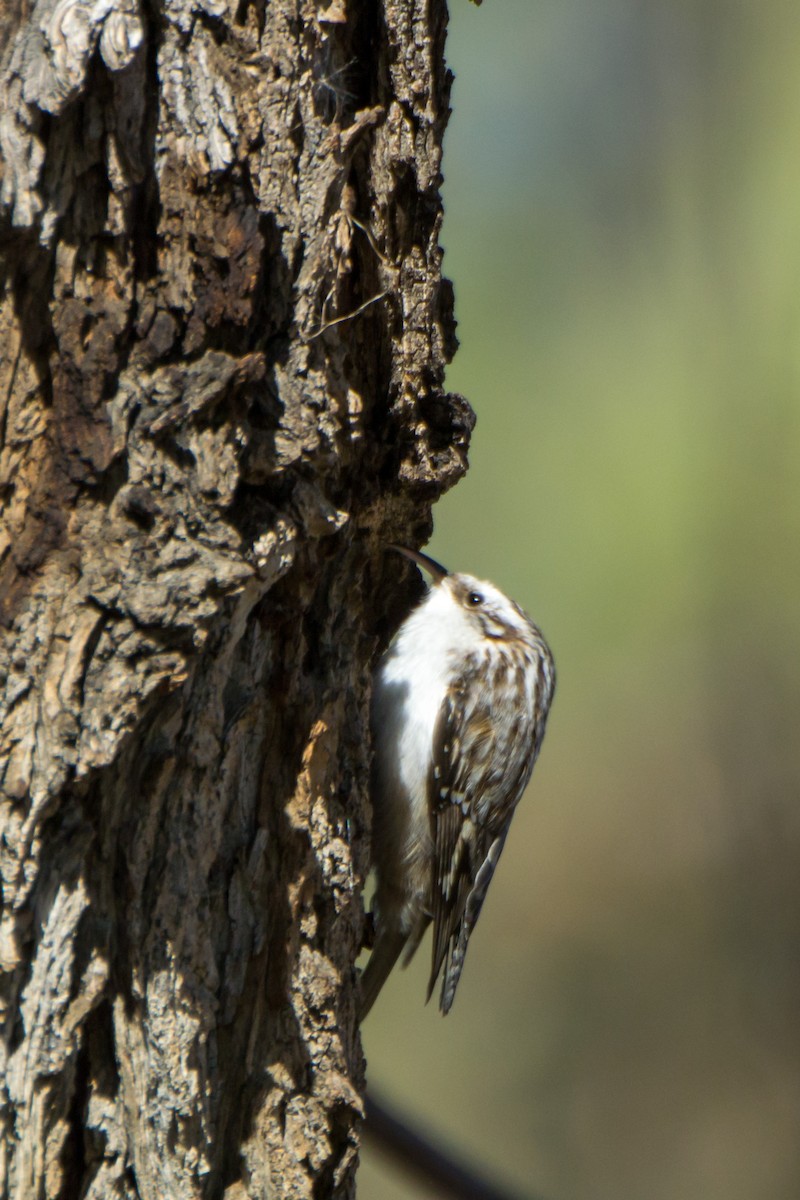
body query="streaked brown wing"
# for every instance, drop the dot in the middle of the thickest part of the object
(481, 763)
(447, 905)
(463, 755)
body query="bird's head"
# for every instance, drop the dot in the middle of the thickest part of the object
(491, 613)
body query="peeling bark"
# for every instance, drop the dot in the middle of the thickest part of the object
(223, 331)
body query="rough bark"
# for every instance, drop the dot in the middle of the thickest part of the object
(223, 329)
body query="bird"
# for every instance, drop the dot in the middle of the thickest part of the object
(459, 705)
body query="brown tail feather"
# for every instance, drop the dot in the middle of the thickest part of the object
(388, 948)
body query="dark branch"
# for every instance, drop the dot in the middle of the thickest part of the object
(416, 1155)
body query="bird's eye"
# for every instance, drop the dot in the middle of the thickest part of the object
(475, 599)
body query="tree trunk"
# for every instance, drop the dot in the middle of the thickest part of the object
(223, 329)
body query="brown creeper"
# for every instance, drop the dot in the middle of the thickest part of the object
(459, 705)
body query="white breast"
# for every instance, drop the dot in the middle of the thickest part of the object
(409, 689)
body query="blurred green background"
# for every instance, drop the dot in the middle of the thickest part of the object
(623, 229)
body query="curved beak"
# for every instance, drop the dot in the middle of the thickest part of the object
(436, 571)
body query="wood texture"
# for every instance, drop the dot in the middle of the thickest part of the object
(223, 330)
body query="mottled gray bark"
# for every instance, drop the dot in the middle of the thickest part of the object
(223, 330)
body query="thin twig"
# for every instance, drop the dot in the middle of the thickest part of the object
(345, 316)
(415, 1154)
(370, 236)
